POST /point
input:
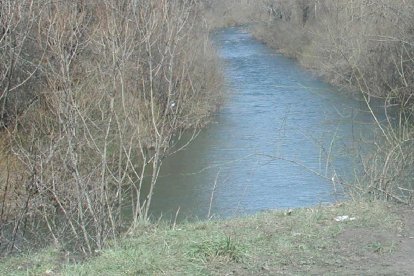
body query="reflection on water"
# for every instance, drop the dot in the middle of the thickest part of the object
(276, 143)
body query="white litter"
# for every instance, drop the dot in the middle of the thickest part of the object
(344, 218)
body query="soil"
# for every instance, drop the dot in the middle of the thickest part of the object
(369, 252)
(400, 261)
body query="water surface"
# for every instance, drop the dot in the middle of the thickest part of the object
(276, 143)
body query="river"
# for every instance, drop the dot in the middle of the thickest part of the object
(277, 142)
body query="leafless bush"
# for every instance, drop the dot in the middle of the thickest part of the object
(17, 52)
(118, 80)
(234, 12)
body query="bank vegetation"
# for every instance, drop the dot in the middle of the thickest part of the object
(93, 94)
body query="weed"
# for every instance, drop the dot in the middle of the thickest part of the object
(224, 247)
(381, 247)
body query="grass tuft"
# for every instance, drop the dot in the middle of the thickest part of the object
(225, 248)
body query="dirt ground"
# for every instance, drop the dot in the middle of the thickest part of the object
(370, 252)
(393, 253)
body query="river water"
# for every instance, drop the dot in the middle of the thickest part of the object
(277, 142)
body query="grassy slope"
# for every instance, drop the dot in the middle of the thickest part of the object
(269, 243)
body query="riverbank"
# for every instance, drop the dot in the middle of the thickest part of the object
(377, 238)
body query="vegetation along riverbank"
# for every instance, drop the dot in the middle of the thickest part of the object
(94, 93)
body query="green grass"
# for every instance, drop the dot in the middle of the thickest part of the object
(272, 242)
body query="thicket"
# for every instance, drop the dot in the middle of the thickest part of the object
(92, 95)
(228, 13)
(364, 46)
